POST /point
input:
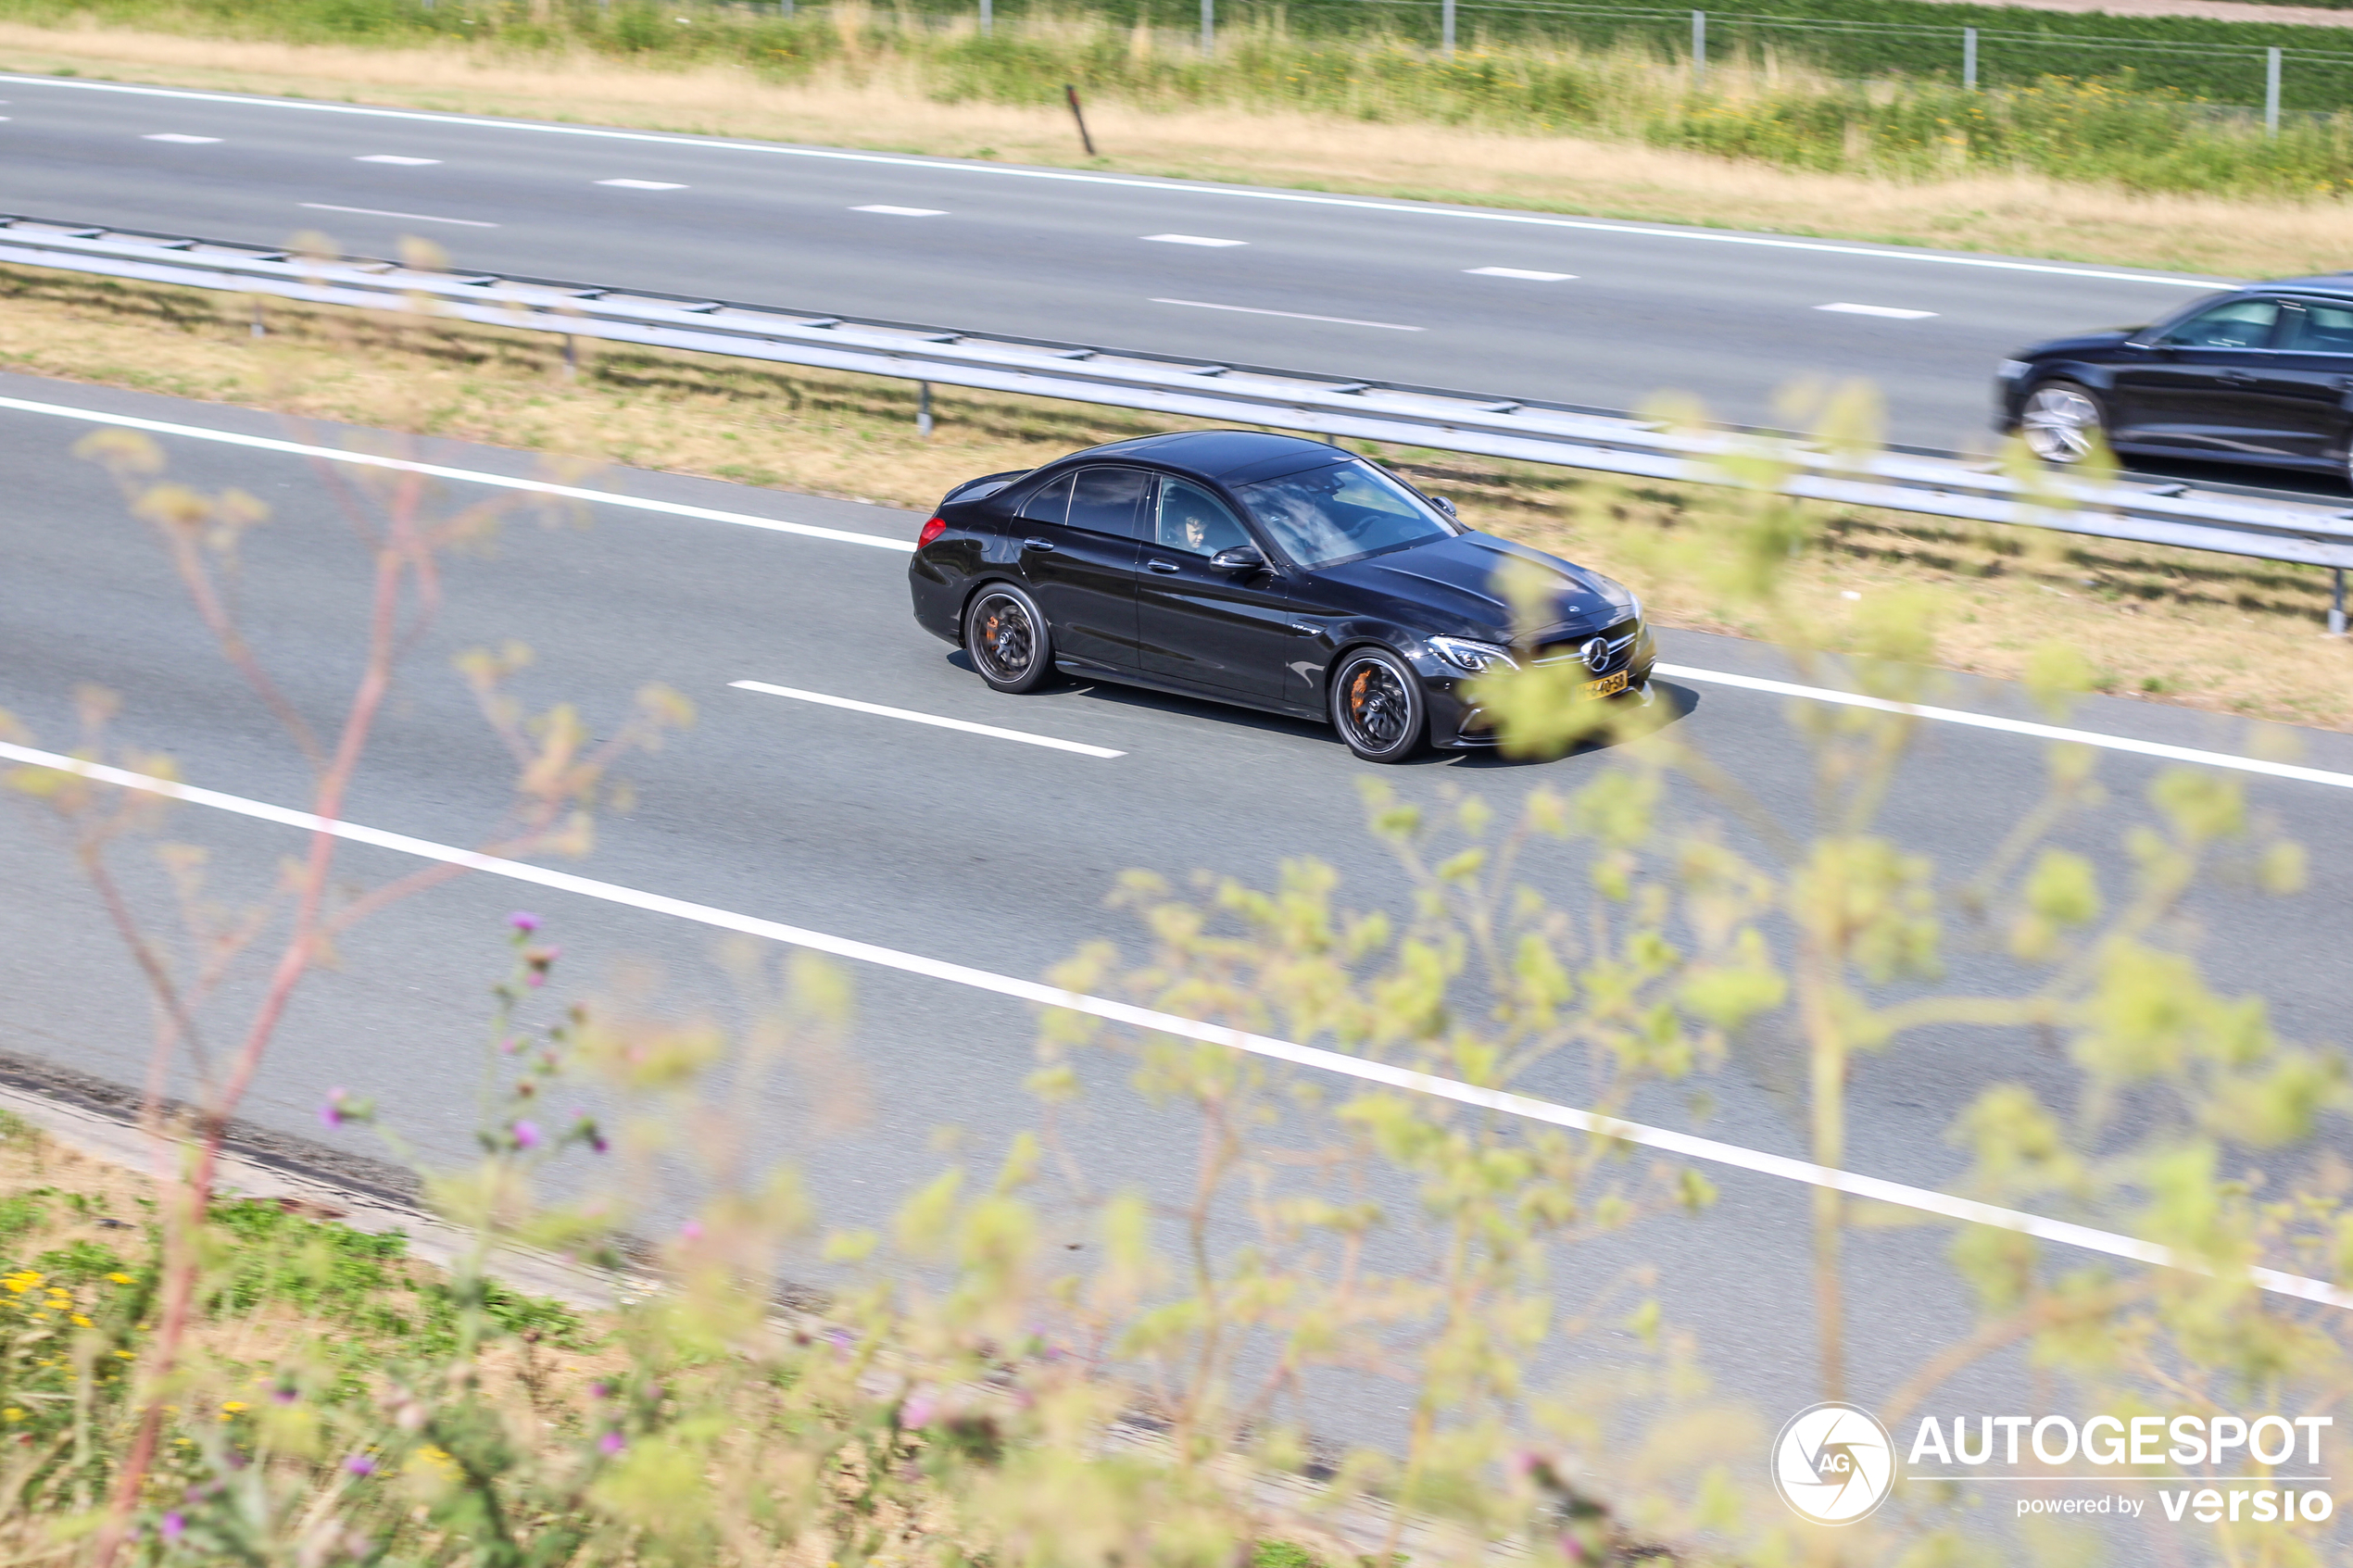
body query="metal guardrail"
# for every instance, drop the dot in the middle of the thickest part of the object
(1451, 421)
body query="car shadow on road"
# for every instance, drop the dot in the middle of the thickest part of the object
(1678, 701)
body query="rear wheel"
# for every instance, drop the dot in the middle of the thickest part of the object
(1006, 635)
(1376, 705)
(2062, 423)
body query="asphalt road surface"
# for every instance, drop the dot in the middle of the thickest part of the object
(1524, 305)
(962, 847)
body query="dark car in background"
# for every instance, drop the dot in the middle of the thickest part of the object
(2261, 374)
(1265, 570)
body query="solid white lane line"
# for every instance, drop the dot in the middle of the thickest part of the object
(2018, 727)
(1521, 272)
(176, 136)
(966, 725)
(402, 159)
(1076, 177)
(1291, 315)
(889, 212)
(469, 476)
(1893, 312)
(643, 184)
(1664, 1139)
(1193, 240)
(404, 217)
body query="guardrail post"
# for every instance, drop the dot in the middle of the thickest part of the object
(2271, 92)
(259, 329)
(1208, 27)
(1699, 47)
(571, 356)
(923, 409)
(1446, 27)
(987, 19)
(2337, 605)
(1969, 59)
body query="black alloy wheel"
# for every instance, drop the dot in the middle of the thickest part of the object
(2063, 423)
(1376, 705)
(1006, 635)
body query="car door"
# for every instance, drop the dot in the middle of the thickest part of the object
(1076, 539)
(2313, 377)
(1223, 629)
(2199, 385)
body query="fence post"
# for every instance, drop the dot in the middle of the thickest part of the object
(2337, 605)
(1208, 27)
(2271, 92)
(1699, 47)
(988, 17)
(1446, 27)
(1969, 59)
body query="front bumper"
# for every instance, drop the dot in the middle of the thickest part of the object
(1458, 724)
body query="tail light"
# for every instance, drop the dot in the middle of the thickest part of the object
(932, 529)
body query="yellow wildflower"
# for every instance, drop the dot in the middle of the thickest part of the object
(13, 1413)
(233, 1406)
(120, 1279)
(126, 1355)
(80, 1320)
(21, 1281)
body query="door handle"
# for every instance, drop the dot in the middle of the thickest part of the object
(1163, 566)
(1036, 543)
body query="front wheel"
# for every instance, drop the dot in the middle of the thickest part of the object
(2062, 423)
(1376, 705)
(1006, 635)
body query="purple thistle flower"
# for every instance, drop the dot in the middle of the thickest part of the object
(523, 921)
(612, 1443)
(173, 1524)
(916, 1412)
(526, 1134)
(285, 1396)
(361, 1464)
(334, 1113)
(691, 1230)
(600, 1390)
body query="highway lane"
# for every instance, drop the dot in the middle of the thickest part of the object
(962, 847)
(1531, 305)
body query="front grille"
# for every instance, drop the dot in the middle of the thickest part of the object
(1620, 638)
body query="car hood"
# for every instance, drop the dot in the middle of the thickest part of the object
(1450, 587)
(2082, 342)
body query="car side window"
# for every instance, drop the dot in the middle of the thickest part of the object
(1105, 500)
(1049, 504)
(1191, 520)
(2239, 323)
(2324, 329)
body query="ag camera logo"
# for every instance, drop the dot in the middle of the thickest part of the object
(1833, 1463)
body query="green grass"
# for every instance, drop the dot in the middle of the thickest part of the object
(1875, 93)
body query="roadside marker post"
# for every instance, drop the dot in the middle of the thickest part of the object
(2271, 92)
(1699, 47)
(1969, 59)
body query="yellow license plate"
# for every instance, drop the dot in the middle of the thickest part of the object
(1608, 685)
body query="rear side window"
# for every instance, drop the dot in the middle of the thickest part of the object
(1049, 504)
(1106, 500)
(2324, 329)
(2239, 323)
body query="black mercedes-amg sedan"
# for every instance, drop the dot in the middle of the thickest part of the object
(1266, 570)
(2262, 374)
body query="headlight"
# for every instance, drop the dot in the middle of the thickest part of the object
(1476, 657)
(2013, 369)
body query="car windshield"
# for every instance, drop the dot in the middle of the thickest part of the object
(1340, 511)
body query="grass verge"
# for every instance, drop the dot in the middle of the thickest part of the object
(2235, 636)
(1770, 147)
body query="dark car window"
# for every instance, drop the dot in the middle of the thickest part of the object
(1104, 500)
(2239, 323)
(1049, 504)
(1341, 510)
(1191, 520)
(2322, 329)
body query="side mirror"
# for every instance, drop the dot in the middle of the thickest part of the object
(1241, 558)
(1443, 504)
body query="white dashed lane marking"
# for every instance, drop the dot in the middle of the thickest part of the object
(1520, 272)
(1193, 240)
(643, 184)
(1292, 315)
(889, 212)
(1893, 312)
(177, 136)
(404, 216)
(395, 158)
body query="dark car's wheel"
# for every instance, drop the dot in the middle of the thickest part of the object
(2062, 422)
(1006, 635)
(1376, 705)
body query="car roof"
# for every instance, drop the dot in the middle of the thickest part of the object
(2340, 284)
(1215, 454)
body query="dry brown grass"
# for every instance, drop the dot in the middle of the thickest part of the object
(2210, 630)
(2019, 214)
